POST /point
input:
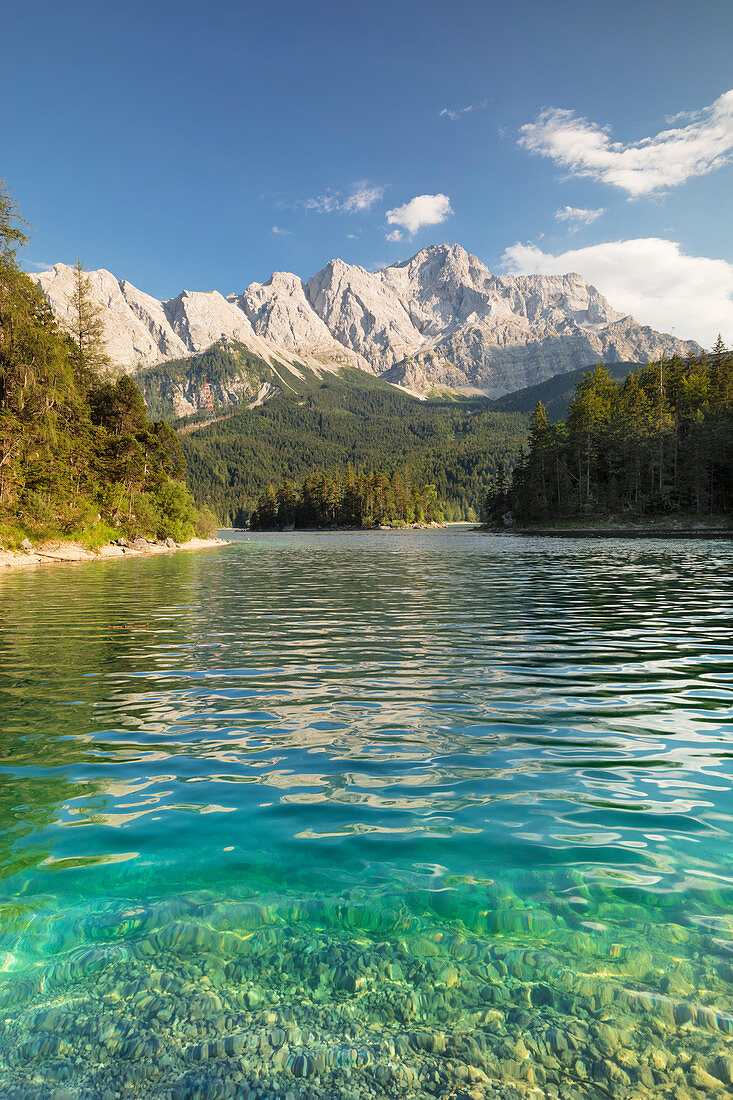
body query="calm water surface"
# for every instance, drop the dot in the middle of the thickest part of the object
(369, 815)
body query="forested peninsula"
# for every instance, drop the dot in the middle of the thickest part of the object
(347, 500)
(79, 459)
(660, 444)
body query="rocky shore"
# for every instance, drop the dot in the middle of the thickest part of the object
(53, 552)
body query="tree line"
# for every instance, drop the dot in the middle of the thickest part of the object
(347, 499)
(659, 443)
(78, 456)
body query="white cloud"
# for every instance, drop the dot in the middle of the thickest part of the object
(420, 211)
(670, 157)
(455, 113)
(362, 197)
(326, 203)
(395, 235)
(577, 216)
(279, 232)
(650, 278)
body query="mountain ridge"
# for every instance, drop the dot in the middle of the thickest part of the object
(438, 320)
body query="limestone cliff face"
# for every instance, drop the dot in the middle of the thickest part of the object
(153, 316)
(442, 319)
(141, 331)
(364, 313)
(439, 319)
(129, 338)
(279, 311)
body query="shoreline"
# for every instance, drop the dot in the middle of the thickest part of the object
(55, 552)
(337, 529)
(639, 532)
(614, 532)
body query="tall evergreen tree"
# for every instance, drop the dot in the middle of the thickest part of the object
(86, 327)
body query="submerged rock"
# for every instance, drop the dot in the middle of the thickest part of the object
(218, 999)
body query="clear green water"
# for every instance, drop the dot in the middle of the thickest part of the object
(431, 815)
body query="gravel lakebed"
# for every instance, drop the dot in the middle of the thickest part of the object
(193, 998)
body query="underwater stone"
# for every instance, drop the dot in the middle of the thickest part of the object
(521, 920)
(299, 1066)
(701, 1079)
(429, 1041)
(722, 1067)
(606, 1036)
(318, 1061)
(448, 976)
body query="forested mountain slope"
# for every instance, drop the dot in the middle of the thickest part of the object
(352, 418)
(556, 393)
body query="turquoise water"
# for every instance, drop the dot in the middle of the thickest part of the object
(369, 815)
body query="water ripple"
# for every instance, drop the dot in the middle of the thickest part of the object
(471, 795)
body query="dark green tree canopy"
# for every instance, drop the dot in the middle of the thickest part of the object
(77, 451)
(347, 499)
(662, 442)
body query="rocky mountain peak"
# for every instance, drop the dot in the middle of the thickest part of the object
(279, 311)
(437, 319)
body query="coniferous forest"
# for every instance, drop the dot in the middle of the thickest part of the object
(661, 443)
(347, 500)
(78, 455)
(457, 446)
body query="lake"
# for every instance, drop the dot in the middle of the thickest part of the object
(355, 815)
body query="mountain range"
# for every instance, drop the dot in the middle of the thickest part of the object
(438, 321)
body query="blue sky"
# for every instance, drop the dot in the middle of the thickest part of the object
(202, 146)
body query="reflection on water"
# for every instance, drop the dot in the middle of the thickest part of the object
(435, 815)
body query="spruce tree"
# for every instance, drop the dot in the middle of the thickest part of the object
(87, 328)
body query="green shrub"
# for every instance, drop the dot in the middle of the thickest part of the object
(177, 512)
(206, 523)
(79, 516)
(11, 536)
(148, 519)
(96, 535)
(36, 505)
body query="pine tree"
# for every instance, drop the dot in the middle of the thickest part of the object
(12, 236)
(37, 395)
(719, 350)
(539, 435)
(86, 327)
(588, 414)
